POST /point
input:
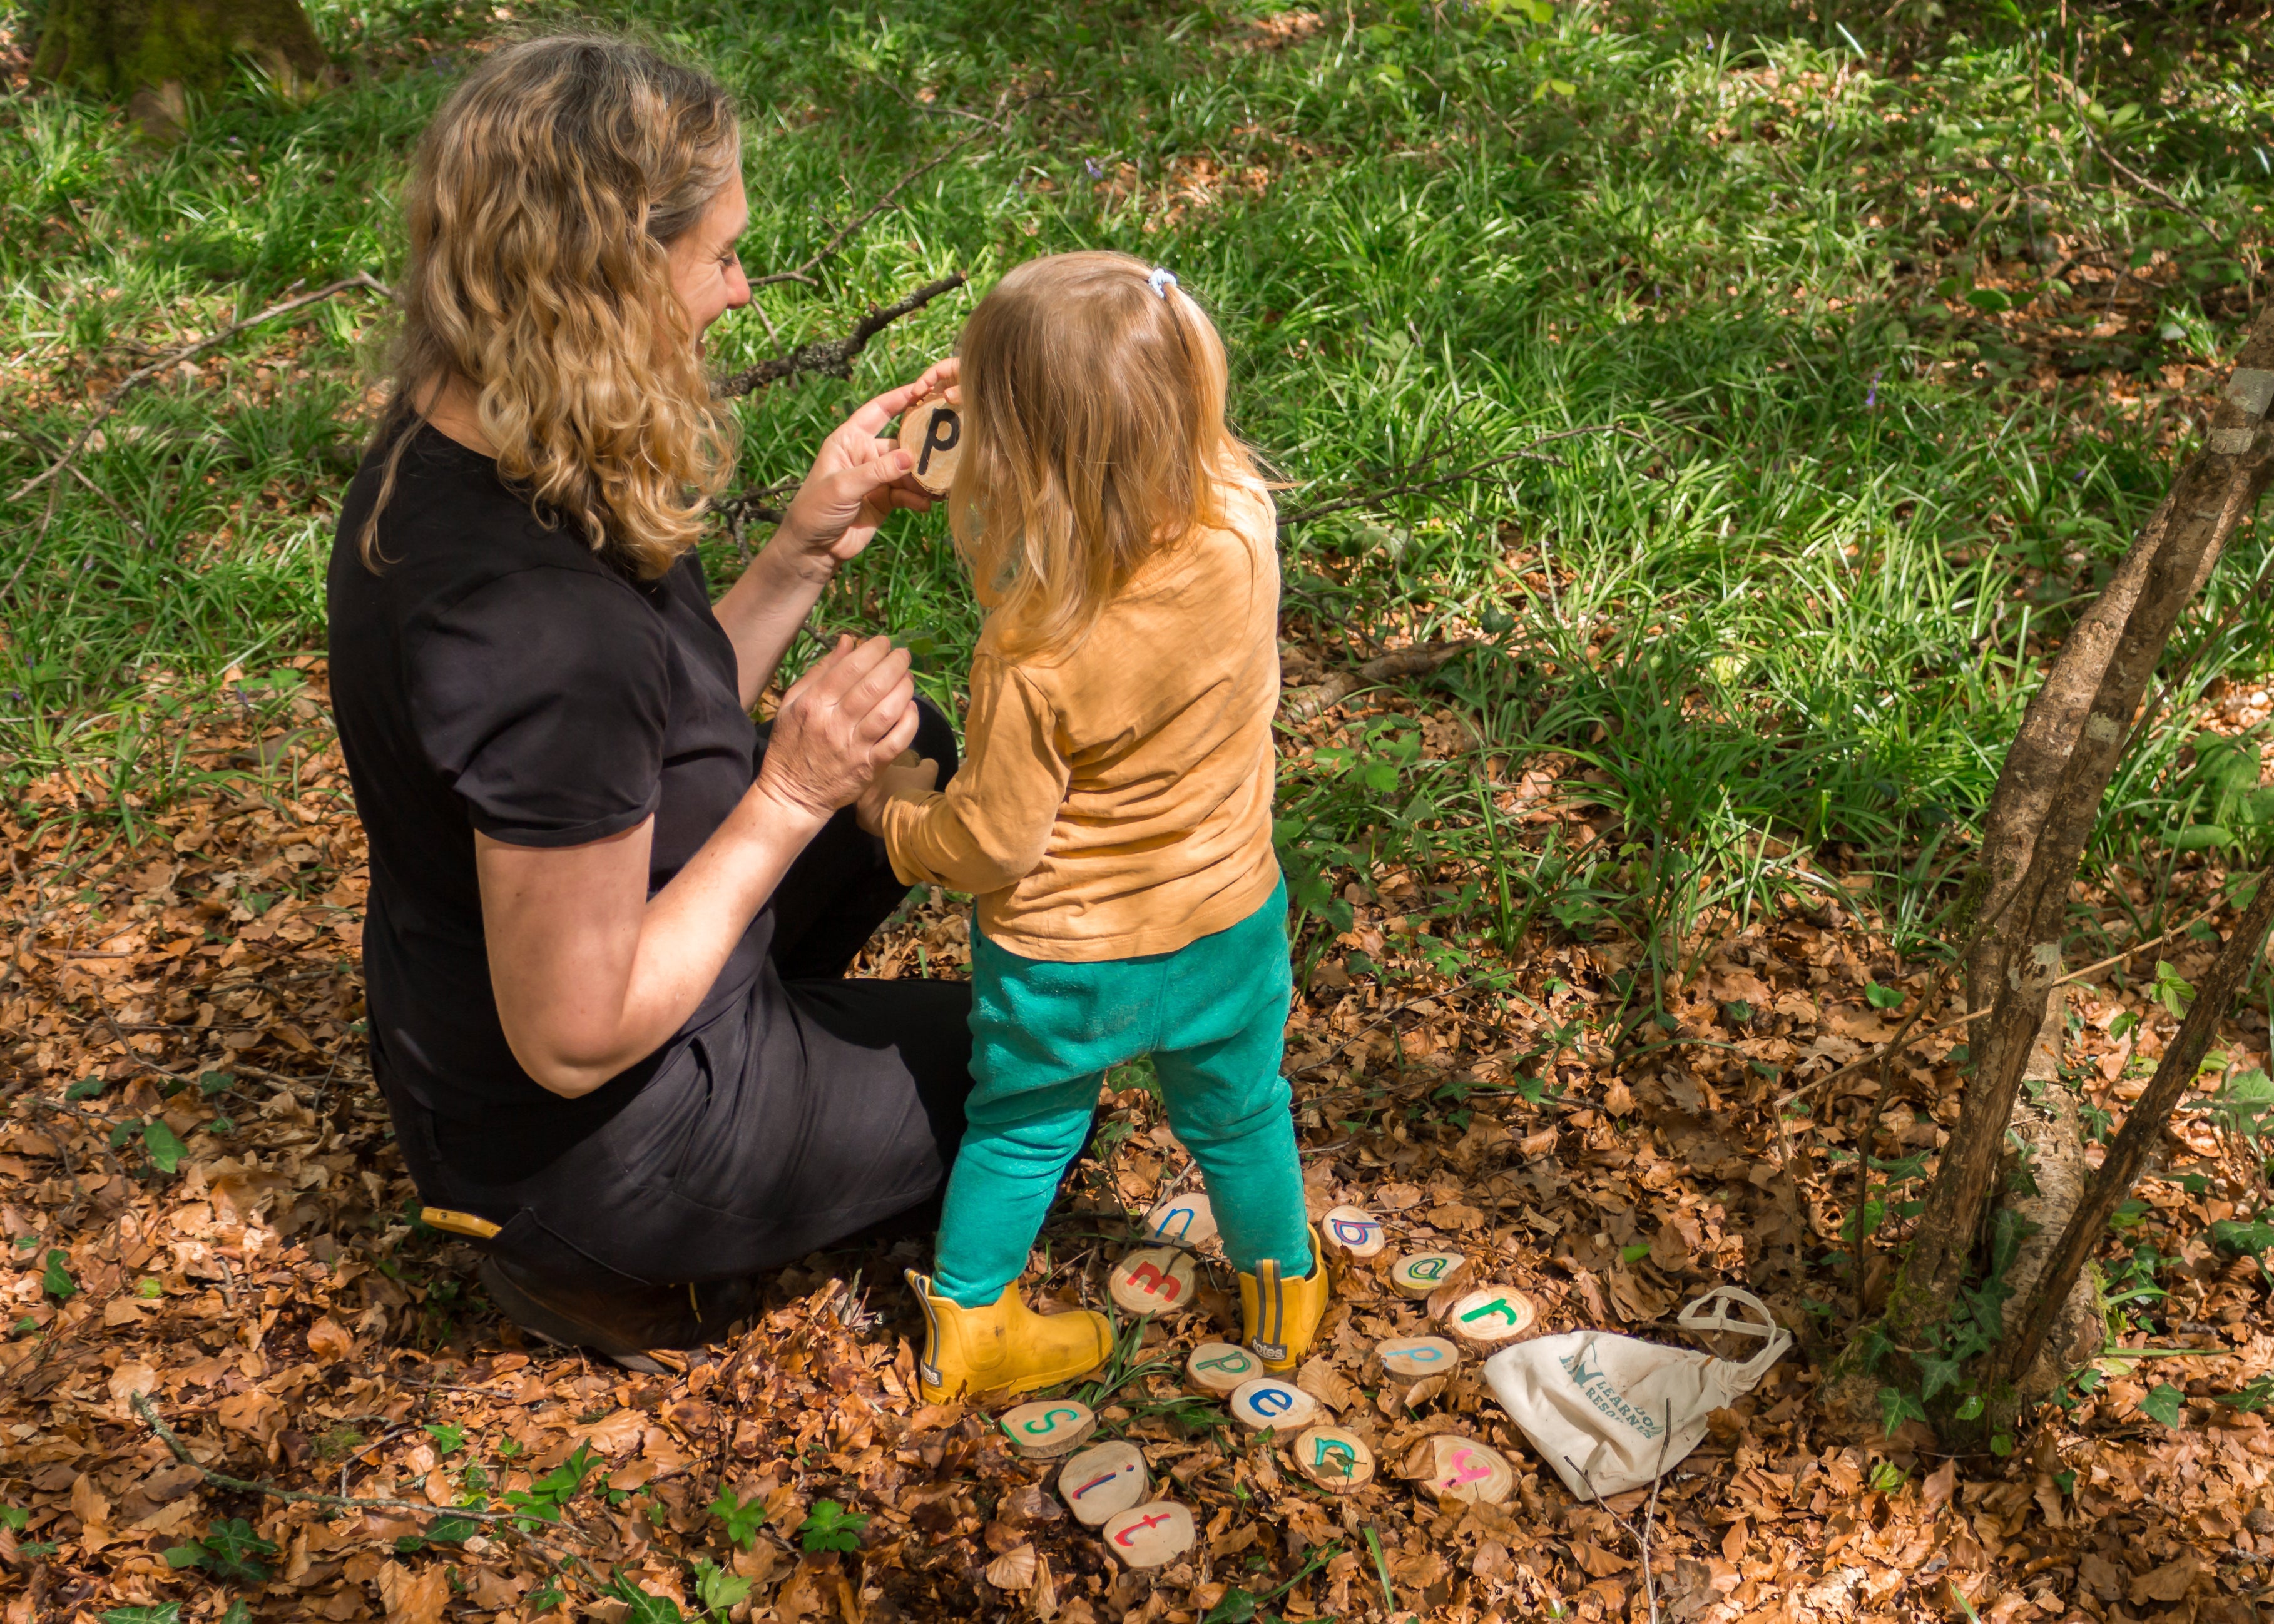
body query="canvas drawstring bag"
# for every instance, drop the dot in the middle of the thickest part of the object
(1611, 1412)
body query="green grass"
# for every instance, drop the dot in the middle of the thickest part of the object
(1784, 619)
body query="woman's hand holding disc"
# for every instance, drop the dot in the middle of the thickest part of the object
(848, 716)
(860, 478)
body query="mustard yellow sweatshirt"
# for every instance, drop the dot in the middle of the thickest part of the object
(1114, 798)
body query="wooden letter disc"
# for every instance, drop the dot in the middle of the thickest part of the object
(1267, 1401)
(1217, 1368)
(1463, 1469)
(932, 433)
(1047, 1430)
(1157, 1280)
(1102, 1483)
(1410, 1358)
(1335, 1459)
(1488, 1317)
(1418, 1273)
(1188, 1219)
(1151, 1535)
(1354, 1233)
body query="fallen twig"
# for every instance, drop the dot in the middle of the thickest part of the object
(1301, 704)
(833, 355)
(174, 358)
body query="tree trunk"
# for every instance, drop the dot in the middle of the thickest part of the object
(2211, 496)
(2045, 1122)
(154, 54)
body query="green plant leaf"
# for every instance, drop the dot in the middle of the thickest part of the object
(164, 1148)
(164, 1612)
(829, 1527)
(448, 1438)
(642, 1607)
(57, 1282)
(1884, 997)
(2163, 1403)
(744, 1518)
(718, 1590)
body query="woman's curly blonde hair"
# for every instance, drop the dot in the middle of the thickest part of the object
(545, 197)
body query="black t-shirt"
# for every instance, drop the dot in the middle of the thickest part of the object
(494, 674)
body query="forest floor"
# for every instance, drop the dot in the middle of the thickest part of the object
(1862, 356)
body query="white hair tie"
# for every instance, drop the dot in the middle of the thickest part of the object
(1161, 281)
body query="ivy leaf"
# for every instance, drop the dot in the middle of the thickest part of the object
(164, 1612)
(1897, 1406)
(1935, 1375)
(643, 1608)
(449, 1440)
(2164, 1405)
(58, 1281)
(162, 1145)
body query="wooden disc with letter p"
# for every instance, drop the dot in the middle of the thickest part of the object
(931, 432)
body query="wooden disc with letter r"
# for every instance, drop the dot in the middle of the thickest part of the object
(931, 432)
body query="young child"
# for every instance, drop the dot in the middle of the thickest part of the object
(1112, 815)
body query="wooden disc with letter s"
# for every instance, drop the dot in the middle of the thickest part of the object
(931, 432)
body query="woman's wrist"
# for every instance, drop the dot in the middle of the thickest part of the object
(773, 805)
(795, 557)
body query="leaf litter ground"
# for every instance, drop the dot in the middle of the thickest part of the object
(203, 1205)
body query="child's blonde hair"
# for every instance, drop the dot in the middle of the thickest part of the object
(1094, 433)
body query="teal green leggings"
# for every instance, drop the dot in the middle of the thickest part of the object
(1213, 1015)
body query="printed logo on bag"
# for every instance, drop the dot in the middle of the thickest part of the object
(1596, 1388)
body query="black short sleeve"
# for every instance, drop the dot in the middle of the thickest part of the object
(541, 699)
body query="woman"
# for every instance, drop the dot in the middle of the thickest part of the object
(608, 914)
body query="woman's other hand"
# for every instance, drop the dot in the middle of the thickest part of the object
(840, 724)
(858, 479)
(910, 777)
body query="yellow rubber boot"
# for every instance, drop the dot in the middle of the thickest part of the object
(1278, 1316)
(1003, 1348)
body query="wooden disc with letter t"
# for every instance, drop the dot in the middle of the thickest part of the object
(1490, 1317)
(931, 432)
(1157, 1280)
(1217, 1368)
(1046, 1430)
(1102, 1483)
(1335, 1459)
(1152, 1535)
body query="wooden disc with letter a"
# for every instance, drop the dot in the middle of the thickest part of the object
(931, 432)
(1157, 1280)
(1460, 1468)
(1152, 1535)
(1411, 1358)
(1489, 1317)
(1268, 1401)
(1217, 1368)
(1189, 1219)
(1354, 1233)
(1419, 1273)
(1335, 1459)
(1102, 1483)
(1046, 1430)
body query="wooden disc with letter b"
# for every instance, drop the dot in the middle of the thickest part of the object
(1490, 1317)
(1157, 1280)
(1046, 1430)
(1355, 1233)
(931, 432)
(1337, 1461)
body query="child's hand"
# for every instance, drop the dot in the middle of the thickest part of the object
(911, 777)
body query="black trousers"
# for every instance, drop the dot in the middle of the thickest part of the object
(809, 1109)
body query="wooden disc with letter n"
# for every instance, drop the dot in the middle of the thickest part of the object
(1189, 1218)
(932, 433)
(1335, 1459)
(1157, 1280)
(1046, 1430)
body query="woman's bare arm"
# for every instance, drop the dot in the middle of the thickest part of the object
(591, 973)
(856, 482)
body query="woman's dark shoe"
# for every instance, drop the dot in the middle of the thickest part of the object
(619, 1318)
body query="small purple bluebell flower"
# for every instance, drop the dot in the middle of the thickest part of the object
(1094, 172)
(1871, 394)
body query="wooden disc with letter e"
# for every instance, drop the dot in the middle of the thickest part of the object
(1101, 1482)
(1352, 1232)
(1046, 1430)
(1152, 1535)
(1337, 1461)
(1459, 1469)
(1418, 1274)
(1187, 1219)
(1268, 1401)
(931, 432)
(1217, 1368)
(1491, 1316)
(1157, 1280)
(1411, 1358)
